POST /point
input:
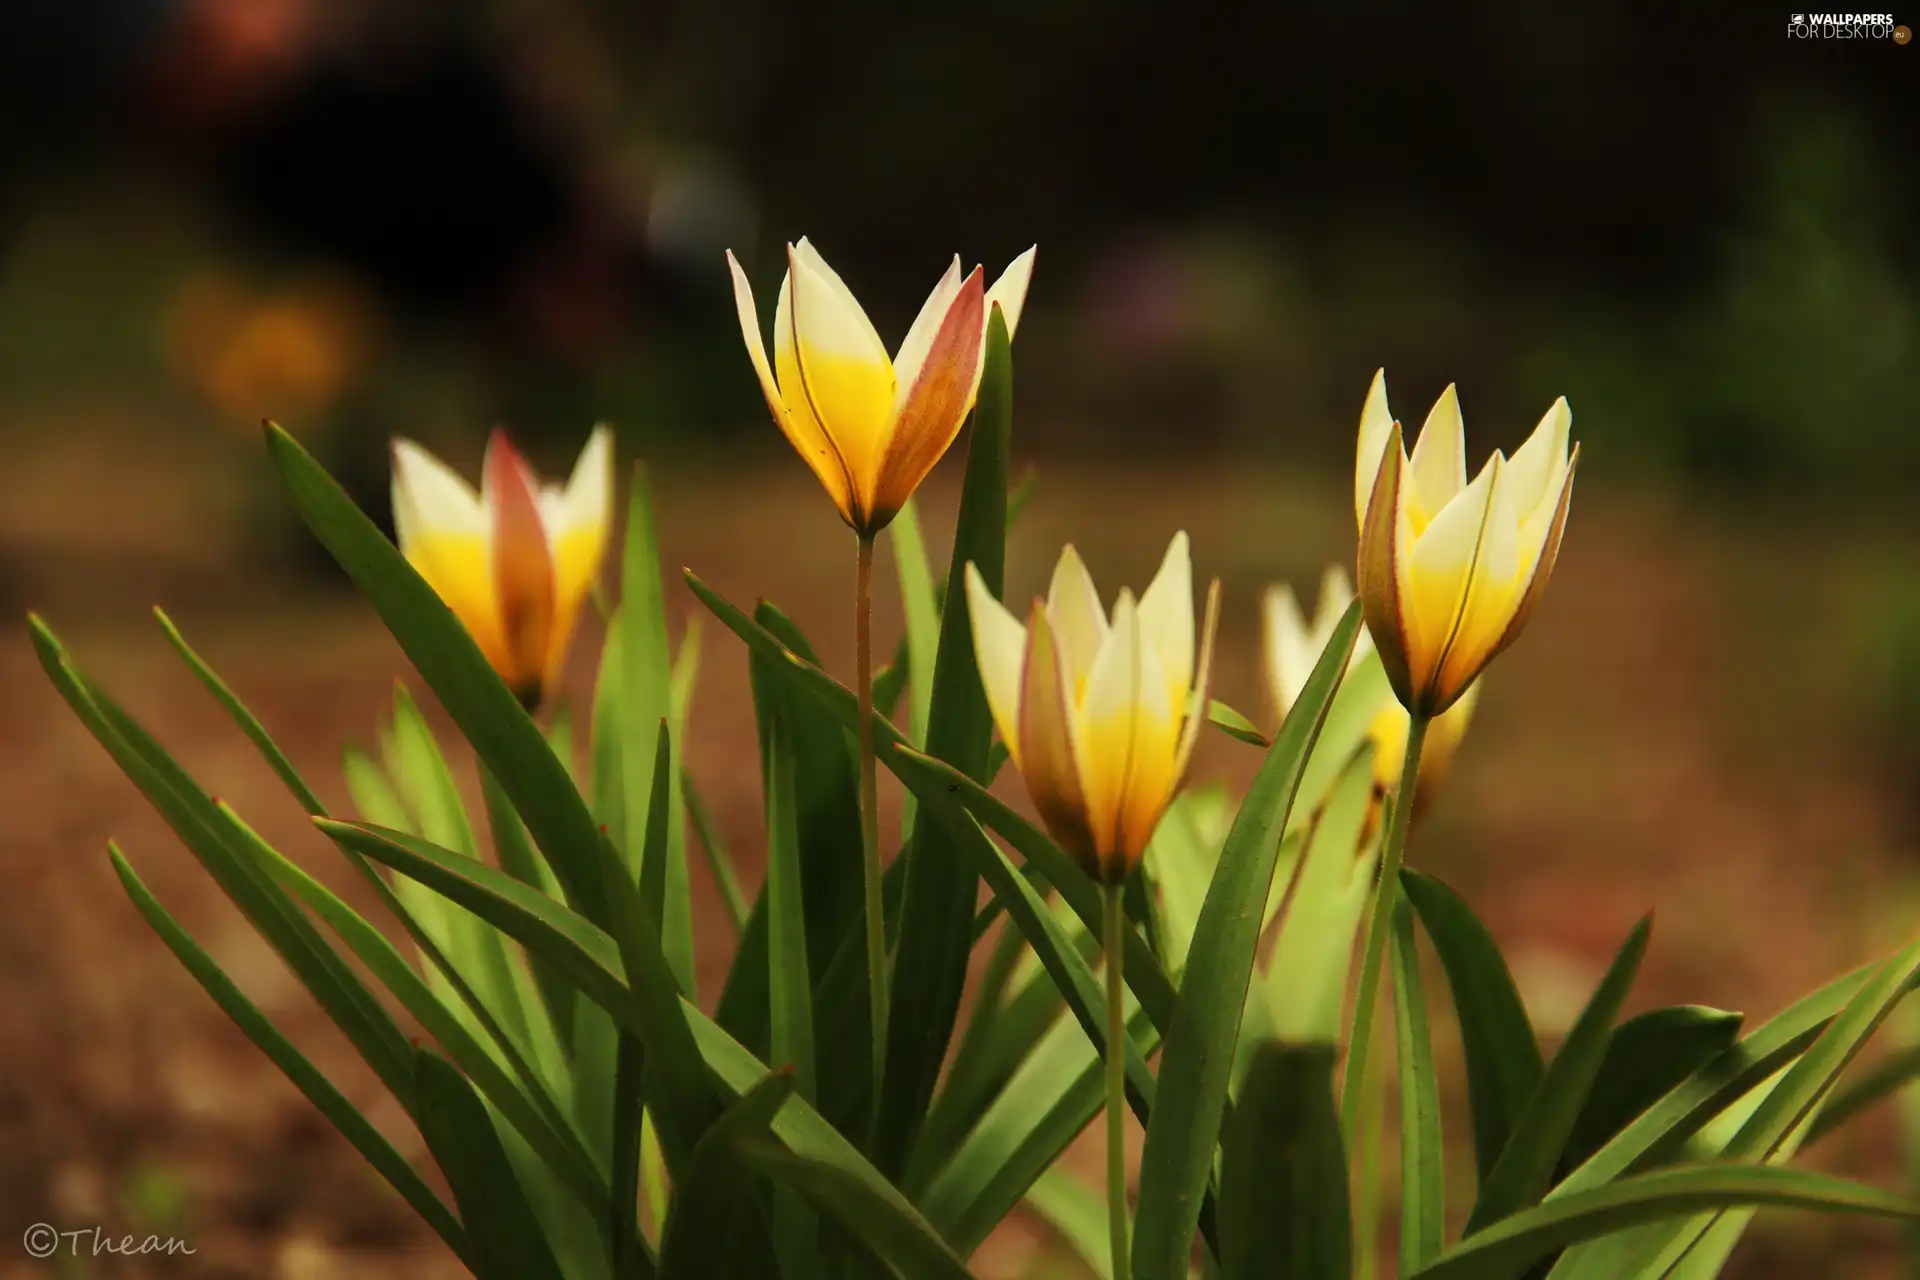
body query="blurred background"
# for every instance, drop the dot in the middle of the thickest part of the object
(429, 217)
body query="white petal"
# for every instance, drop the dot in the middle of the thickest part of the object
(1439, 457)
(430, 497)
(1079, 623)
(830, 320)
(1010, 290)
(1376, 421)
(586, 502)
(1000, 649)
(1166, 619)
(1284, 647)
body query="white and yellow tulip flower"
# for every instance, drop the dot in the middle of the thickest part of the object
(1099, 715)
(515, 560)
(873, 427)
(1291, 644)
(1450, 570)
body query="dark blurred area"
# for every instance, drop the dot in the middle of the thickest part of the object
(364, 218)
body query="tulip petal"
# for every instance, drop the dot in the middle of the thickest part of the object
(1166, 620)
(919, 340)
(522, 564)
(1376, 422)
(442, 529)
(934, 407)
(577, 519)
(1079, 623)
(1284, 660)
(1439, 458)
(1537, 464)
(792, 414)
(1010, 290)
(844, 372)
(1493, 592)
(1381, 560)
(1196, 708)
(1047, 748)
(1126, 740)
(1542, 568)
(999, 650)
(1437, 575)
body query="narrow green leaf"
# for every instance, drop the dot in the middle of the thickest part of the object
(367, 1140)
(1283, 1181)
(922, 621)
(1885, 1079)
(708, 1230)
(1523, 1172)
(372, 791)
(1196, 1065)
(1423, 1166)
(629, 1126)
(936, 911)
(1022, 494)
(214, 843)
(504, 1235)
(1647, 1057)
(1236, 725)
(1506, 1249)
(789, 980)
(1503, 1058)
(1079, 1214)
(248, 722)
(490, 717)
(519, 859)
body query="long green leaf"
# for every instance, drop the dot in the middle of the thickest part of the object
(1885, 1079)
(329, 1101)
(936, 910)
(1523, 1172)
(719, 862)
(788, 976)
(1079, 1214)
(884, 1225)
(1510, 1246)
(922, 617)
(1196, 1065)
(490, 717)
(1423, 1168)
(503, 1233)
(1283, 1180)
(1504, 1065)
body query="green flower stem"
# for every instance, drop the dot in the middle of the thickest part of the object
(870, 805)
(1114, 944)
(1393, 849)
(1366, 1200)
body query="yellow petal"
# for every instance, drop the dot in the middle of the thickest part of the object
(1536, 573)
(1439, 458)
(1079, 623)
(1376, 421)
(791, 410)
(1047, 750)
(1435, 576)
(1010, 291)
(1538, 463)
(1195, 712)
(1166, 620)
(442, 529)
(999, 649)
(1127, 743)
(1385, 537)
(577, 519)
(1492, 596)
(933, 408)
(1283, 648)
(844, 372)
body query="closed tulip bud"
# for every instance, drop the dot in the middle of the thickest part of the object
(873, 427)
(513, 561)
(1291, 644)
(1099, 715)
(1450, 570)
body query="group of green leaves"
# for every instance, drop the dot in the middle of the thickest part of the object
(590, 1121)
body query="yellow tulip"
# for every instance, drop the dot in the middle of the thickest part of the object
(872, 427)
(515, 560)
(1291, 644)
(1450, 571)
(1100, 716)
